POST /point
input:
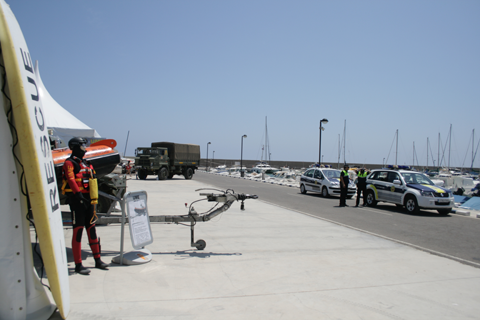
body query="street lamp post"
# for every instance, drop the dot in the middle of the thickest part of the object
(242, 174)
(213, 159)
(207, 156)
(320, 140)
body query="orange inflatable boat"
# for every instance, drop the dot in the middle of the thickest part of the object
(101, 155)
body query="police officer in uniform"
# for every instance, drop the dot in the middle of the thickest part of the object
(361, 186)
(78, 180)
(344, 180)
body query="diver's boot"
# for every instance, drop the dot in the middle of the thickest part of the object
(100, 264)
(79, 268)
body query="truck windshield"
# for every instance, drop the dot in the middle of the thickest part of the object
(150, 152)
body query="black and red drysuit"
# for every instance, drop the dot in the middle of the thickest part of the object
(76, 175)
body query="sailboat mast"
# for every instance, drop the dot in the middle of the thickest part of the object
(338, 159)
(396, 148)
(449, 145)
(438, 160)
(268, 140)
(344, 136)
(473, 146)
(126, 142)
(427, 152)
(413, 160)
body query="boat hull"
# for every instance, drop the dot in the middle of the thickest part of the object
(103, 158)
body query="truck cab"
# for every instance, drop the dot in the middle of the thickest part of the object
(152, 161)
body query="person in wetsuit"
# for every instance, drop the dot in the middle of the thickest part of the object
(78, 176)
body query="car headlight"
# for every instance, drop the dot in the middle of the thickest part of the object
(428, 194)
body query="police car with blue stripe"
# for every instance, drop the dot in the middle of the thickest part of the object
(406, 188)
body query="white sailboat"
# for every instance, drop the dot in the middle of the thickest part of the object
(263, 166)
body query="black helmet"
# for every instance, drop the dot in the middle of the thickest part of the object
(76, 142)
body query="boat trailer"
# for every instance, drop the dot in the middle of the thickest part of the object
(226, 198)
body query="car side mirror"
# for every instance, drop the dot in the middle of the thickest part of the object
(397, 182)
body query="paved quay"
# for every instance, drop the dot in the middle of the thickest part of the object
(265, 262)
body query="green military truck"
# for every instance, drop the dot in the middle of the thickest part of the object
(166, 159)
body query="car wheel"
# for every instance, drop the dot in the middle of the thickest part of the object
(325, 192)
(444, 212)
(142, 175)
(188, 174)
(162, 174)
(411, 204)
(371, 202)
(302, 189)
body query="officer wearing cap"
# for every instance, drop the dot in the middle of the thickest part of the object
(344, 180)
(80, 185)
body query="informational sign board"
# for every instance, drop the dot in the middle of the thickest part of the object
(138, 219)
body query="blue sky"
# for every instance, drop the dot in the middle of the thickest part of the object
(200, 71)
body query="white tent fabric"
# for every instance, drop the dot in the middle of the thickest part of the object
(63, 124)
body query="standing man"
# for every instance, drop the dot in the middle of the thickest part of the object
(80, 185)
(344, 180)
(361, 186)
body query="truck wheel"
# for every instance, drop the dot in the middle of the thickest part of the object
(411, 204)
(188, 174)
(142, 175)
(162, 174)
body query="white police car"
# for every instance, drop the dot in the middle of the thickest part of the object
(325, 181)
(411, 189)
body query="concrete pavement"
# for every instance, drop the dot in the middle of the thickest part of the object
(265, 263)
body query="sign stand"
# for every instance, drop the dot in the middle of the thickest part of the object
(134, 205)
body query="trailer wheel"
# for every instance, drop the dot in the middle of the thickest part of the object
(162, 173)
(200, 244)
(188, 174)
